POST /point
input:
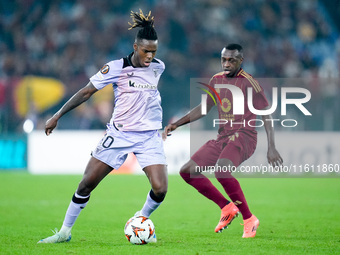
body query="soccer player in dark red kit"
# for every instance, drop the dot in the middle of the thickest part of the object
(235, 142)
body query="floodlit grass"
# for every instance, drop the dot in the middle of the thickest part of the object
(297, 216)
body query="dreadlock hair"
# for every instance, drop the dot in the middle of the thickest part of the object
(147, 30)
(235, 46)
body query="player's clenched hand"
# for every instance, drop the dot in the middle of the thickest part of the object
(50, 125)
(167, 130)
(274, 157)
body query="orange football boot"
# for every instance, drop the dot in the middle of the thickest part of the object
(229, 212)
(250, 226)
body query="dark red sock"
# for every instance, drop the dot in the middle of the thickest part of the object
(233, 188)
(206, 188)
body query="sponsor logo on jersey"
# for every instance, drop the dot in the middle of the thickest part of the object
(141, 86)
(105, 69)
(129, 74)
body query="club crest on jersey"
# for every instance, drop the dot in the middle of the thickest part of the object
(156, 71)
(105, 69)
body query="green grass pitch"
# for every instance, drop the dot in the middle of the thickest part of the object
(297, 216)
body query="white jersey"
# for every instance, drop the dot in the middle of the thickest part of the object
(137, 99)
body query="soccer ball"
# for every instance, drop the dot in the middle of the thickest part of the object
(140, 230)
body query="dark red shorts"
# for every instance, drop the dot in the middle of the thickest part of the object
(237, 147)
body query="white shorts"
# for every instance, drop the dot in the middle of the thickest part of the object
(115, 146)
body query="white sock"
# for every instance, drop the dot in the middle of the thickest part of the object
(66, 230)
(149, 206)
(73, 211)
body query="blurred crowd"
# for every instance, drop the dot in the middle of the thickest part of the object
(70, 40)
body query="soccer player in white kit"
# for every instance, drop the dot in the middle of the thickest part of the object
(133, 127)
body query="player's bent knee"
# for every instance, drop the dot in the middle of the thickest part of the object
(184, 170)
(188, 168)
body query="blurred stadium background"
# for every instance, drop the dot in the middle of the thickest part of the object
(49, 49)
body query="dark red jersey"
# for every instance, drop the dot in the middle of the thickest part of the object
(244, 122)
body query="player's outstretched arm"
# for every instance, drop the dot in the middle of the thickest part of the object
(194, 114)
(78, 98)
(273, 156)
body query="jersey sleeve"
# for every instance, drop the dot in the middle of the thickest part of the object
(159, 69)
(259, 98)
(108, 74)
(162, 65)
(210, 101)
